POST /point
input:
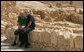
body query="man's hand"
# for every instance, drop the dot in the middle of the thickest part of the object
(24, 29)
(29, 23)
(19, 27)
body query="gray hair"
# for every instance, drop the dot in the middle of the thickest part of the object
(21, 12)
(26, 10)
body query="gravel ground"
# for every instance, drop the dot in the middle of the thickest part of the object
(6, 46)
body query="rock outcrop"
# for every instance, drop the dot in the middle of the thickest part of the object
(57, 28)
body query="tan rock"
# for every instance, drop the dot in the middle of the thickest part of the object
(54, 37)
(78, 42)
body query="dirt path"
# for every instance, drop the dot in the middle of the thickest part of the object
(6, 46)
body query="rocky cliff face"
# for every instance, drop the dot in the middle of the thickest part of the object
(8, 15)
(57, 28)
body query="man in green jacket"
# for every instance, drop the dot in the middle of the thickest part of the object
(21, 23)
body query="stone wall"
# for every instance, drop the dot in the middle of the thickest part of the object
(52, 40)
(56, 40)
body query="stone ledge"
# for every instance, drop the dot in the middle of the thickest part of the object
(51, 40)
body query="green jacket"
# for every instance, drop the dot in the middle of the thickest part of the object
(22, 21)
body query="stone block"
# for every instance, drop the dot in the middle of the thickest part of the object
(54, 37)
(78, 40)
(62, 43)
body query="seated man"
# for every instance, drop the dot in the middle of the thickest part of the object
(30, 25)
(21, 22)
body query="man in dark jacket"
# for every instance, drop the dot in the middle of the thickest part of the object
(30, 25)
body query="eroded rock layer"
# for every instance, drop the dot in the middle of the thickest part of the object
(57, 28)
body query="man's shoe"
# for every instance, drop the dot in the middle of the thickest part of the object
(26, 45)
(20, 44)
(14, 44)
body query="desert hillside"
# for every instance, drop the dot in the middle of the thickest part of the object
(56, 18)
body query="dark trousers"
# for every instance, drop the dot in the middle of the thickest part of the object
(23, 35)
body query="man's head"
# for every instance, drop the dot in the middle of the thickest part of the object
(26, 12)
(21, 14)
